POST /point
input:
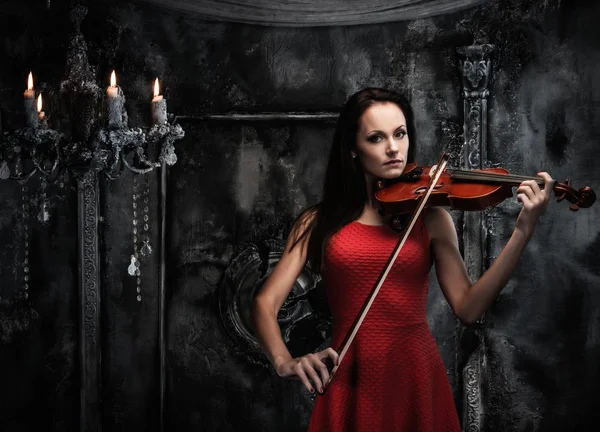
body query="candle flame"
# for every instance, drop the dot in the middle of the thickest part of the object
(30, 82)
(156, 92)
(39, 103)
(113, 79)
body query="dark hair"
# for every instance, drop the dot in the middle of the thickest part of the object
(345, 189)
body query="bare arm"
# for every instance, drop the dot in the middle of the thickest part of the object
(266, 306)
(470, 300)
(269, 300)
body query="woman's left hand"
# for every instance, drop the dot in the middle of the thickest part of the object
(534, 201)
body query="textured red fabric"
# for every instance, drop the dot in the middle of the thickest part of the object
(392, 377)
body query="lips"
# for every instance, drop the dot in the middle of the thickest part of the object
(393, 162)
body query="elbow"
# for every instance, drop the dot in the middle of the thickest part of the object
(260, 307)
(468, 319)
(466, 315)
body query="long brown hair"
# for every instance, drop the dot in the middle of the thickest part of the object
(345, 188)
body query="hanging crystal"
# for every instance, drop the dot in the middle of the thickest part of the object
(146, 249)
(25, 225)
(43, 215)
(135, 264)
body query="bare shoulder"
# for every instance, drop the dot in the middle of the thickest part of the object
(439, 223)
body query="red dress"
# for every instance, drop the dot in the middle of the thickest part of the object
(392, 377)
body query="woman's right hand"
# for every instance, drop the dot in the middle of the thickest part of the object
(309, 368)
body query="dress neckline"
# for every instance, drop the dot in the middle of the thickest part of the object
(369, 225)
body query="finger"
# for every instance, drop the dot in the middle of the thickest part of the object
(328, 362)
(526, 189)
(527, 204)
(320, 366)
(535, 187)
(329, 356)
(548, 183)
(546, 176)
(432, 170)
(309, 368)
(302, 375)
(540, 197)
(333, 355)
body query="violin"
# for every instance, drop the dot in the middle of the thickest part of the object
(420, 187)
(467, 190)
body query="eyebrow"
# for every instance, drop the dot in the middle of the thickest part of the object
(381, 132)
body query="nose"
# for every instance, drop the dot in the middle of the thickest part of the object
(392, 147)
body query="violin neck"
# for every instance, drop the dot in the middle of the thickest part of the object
(487, 177)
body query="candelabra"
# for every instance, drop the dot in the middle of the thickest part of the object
(98, 142)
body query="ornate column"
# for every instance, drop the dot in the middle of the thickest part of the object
(475, 74)
(89, 297)
(82, 97)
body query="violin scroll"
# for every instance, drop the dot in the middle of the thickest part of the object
(583, 198)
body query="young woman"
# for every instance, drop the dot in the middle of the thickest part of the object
(392, 377)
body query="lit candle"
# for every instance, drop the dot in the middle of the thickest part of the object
(41, 114)
(29, 93)
(31, 117)
(159, 106)
(114, 103)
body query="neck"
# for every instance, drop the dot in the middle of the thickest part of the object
(370, 213)
(371, 183)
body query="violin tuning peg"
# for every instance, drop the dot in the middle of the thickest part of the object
(573, 207)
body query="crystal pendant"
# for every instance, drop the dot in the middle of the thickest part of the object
(43, 215)
(146, 249)
(133, 266)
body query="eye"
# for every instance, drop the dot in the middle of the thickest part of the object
(400, 134)
(375, 138)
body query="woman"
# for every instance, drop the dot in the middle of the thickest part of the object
(392, 377)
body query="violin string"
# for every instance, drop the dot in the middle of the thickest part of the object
(497, 179)
(467, 174)
(492, 177)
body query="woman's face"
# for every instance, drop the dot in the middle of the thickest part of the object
(382, 141)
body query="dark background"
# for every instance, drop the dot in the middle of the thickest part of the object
(241, 183)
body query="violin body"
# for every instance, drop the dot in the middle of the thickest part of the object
(463, 190)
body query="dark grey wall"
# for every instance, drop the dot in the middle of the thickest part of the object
(38, 337)
(242, 183)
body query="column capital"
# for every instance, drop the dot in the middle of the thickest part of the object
(475, 67)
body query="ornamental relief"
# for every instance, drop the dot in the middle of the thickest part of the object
(304, 326)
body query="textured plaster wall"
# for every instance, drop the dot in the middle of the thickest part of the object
(242, 183)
